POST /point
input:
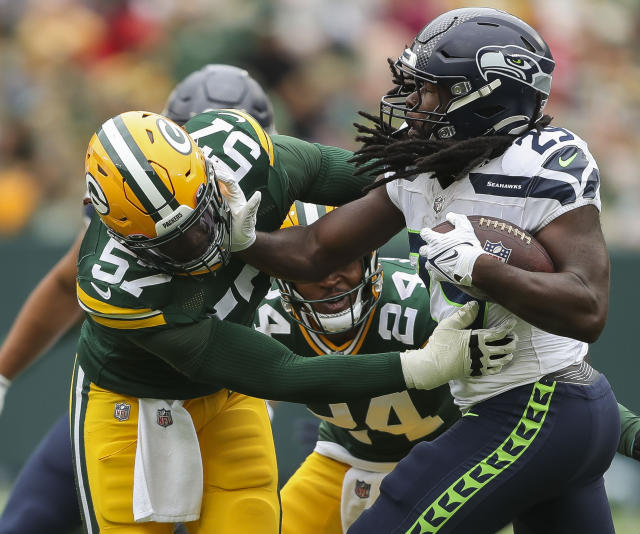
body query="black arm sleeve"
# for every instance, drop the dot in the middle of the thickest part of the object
(319, 174)
(246, 361)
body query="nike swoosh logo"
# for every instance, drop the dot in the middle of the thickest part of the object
(567, 162)
(106, 295)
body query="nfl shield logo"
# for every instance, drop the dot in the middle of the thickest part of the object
(438, 202)
(498, 250)
(362, 489)
(122, 411)
(164, 418)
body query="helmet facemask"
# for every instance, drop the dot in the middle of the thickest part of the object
(394, 107)
(172, 251)
(361, 302)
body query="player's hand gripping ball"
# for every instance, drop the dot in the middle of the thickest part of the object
(451, 257)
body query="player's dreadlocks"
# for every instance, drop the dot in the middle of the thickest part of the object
(385, 150)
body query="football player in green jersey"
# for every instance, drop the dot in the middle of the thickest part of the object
(43, 497)
(165, 361)
(369, 305)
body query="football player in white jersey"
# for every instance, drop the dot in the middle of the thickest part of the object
(461, 134)
(370, 304)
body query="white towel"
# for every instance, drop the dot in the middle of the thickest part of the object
(167, 484)
(360, 489)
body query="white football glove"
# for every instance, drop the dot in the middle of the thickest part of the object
(454, 352)
(4, 386)
(452, 255)
(243, 213)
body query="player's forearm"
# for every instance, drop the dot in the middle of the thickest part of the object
(49, 311)
(559, 303)
(290, 254)
(629, 433)
(332, 378)
(246, 361)
(311, 253)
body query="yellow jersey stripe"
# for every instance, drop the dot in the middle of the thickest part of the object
(310, 341)
(335, 348)
(265, 140)
(130, 324)
(97, 307)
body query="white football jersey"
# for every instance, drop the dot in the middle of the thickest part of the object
(540, 177)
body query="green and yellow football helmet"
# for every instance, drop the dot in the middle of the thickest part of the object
(360, 299)
(157, 194)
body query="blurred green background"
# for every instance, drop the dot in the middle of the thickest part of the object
(67, 65)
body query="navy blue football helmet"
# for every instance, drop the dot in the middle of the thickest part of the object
(219, 86)
(495, 68)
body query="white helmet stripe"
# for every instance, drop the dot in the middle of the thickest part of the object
(311, 213)
(143, 182)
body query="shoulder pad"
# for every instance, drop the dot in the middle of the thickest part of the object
(234, 138)
(111, 282)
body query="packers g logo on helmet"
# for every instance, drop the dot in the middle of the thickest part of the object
(97, 196)
(361, 298)
(175, 136)
(157, 193)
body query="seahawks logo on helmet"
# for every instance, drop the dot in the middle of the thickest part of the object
(517, 63)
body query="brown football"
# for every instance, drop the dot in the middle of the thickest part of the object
(506, 242)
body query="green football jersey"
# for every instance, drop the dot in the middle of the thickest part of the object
(122, 295)
(384, 428)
